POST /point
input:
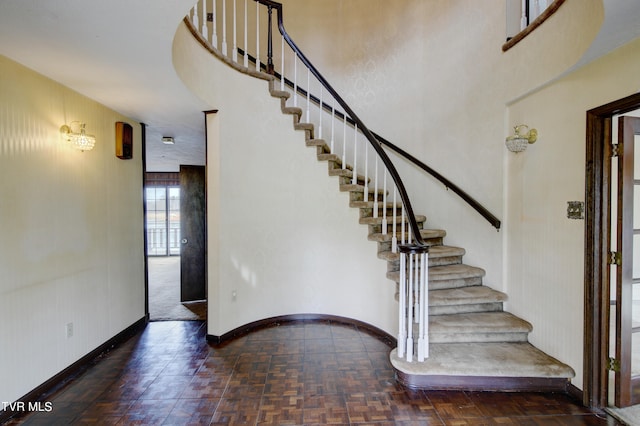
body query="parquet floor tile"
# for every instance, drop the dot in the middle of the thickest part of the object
(299, 373)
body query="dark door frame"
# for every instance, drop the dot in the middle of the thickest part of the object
(597, 231)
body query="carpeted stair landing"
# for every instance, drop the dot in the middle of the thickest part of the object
(499, 366)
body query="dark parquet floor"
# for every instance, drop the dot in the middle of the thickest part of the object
(302, 373)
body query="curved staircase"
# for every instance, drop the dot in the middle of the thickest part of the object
(473, 343)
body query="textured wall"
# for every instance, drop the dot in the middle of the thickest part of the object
(545, 270)
(71, 230)
(281, 235)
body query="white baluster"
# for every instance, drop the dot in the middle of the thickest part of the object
(394, 230)
(366, 173)
(308, 94)
(410, 309)
(282, 63)
(375, 190)
(425, 302)
(205, 27)
(195, 19)
(523, 15)
(257, 36)
(402, 307)
(321, 113)
(214, 32)
(246, 36)
(333, 125)
(384, 203)
(354, 178)
(224, 28)
(423, 327)
(344, 141)
(402, 227)
(295, 80)
(234, 53)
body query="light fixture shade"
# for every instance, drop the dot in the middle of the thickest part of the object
(517, 143)
(522, 137)
(79, 140)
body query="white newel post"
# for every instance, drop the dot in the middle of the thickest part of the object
(413, 298)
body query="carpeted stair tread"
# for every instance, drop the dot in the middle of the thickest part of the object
(370, 204)
(427, 234)
(494, 359)
(350, 187)
(282, 94)
(292, 110)
(435, 252)
(447, 276)
(449, 272)
(319, 144)
(304, 126)
(478, 327)
(465, 295)
(398, 219)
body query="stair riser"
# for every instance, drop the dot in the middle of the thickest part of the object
(346, 180)
(457, 309)
(394, 265)
(359, 196)
(377, 228)
(368, 212)
(477, 337)
(446, 284)
(386, 245)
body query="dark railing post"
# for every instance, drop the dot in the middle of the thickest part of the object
(270, 69)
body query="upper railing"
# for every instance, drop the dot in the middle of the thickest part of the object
(473, 203)
(524, 16)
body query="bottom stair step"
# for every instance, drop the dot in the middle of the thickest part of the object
(478, 327)
(484, 366)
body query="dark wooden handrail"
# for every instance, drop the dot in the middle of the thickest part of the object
(483, 211)
(373, 141)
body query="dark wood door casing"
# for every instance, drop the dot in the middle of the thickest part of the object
(597, 237)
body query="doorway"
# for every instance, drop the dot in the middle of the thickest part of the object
(165, 225)
(612, 181)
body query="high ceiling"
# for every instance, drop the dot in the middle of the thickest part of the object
(118, 52)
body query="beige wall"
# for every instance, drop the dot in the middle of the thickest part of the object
(282, 237)
(71, 230)
(545, 250)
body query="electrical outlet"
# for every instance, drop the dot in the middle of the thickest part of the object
(69, 330)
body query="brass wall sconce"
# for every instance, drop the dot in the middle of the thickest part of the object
(521, 138)
(76, 135)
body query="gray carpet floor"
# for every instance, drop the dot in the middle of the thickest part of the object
(164, 292)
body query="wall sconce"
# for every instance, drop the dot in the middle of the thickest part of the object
(521, 138)
(80, 139)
